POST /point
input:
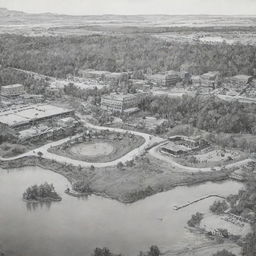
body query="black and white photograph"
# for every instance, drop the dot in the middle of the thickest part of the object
(127, 128)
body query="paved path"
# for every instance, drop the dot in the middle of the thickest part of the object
(149, 140)
(155, 153)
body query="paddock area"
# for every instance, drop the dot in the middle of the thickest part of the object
(93, 149)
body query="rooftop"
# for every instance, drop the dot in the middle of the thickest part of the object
(175, 148)
(240, 77)
(24, 114)
(93, 71)
(121, 96)
(12, 86)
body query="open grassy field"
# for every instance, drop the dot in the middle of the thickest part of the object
(100, 150)
(129, 183)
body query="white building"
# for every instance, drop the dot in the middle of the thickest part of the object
(122, 102)
(20, 117)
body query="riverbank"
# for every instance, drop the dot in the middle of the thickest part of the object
(42, 200)
(105, 222)
(127, 184)
(207, 248)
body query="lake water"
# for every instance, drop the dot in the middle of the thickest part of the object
(74, 227)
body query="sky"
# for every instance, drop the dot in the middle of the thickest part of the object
(95, 7)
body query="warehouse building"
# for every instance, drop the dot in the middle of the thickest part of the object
(20, 117)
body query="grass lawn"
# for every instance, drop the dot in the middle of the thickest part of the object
(100, 150)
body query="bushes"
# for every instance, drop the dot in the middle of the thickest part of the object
(43, 192)
(153, 251)
(81, 187)
(195, 219)
(134, 196)
(224, 253)
(205, 113)
(219, 207)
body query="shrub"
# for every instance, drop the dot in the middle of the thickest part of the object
(224, 253)
(43, 191)
(81, 187)
(195, 219)
(219, 207)
(120, 165)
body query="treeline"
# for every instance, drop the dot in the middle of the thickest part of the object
(153, 251)
(42, 192)
(244, 204)
(156, 30)
(32, 83)
(206, 113)
(59, 56)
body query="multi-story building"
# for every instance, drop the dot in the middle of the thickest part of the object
(93, 74)
(12, 90)
(166, 79)
(122, 102)
(158, 79)
(172, 78)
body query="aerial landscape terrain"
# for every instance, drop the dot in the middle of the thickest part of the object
(127, 135)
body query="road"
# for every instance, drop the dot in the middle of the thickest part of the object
(149, 140)
(155, 153)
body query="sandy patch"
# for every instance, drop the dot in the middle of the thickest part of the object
(217, 155)
(215, 222)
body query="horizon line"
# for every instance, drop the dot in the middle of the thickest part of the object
(116, 14)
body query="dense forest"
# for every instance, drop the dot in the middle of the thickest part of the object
(206, 113)
(59, 56)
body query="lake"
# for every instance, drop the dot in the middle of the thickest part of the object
(76, 226)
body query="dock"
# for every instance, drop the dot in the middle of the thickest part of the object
(196, 201)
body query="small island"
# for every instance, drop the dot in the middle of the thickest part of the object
(42, 193)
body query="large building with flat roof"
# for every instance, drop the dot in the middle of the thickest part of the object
(93, 74)
(122, 102)
(12, 90)
(19, 117)
(166, 79)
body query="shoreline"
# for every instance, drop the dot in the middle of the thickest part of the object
(129, 197)
(42, 200)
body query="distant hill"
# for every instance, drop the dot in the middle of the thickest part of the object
(8, 13)
(11, 17)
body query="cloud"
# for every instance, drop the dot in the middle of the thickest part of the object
(134, 6)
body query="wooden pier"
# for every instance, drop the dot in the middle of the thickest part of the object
(196, 201)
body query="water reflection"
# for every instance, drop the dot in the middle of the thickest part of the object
(77, 225)
(33, 206)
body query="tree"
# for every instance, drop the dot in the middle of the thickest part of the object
(40, 154)
(195, 219)
(102, 252)
(224, 253)
(219, 207)
(249, 247)
(154, 251)
(120, 165)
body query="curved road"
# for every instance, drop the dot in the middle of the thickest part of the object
(155, 153)
(149, 141)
